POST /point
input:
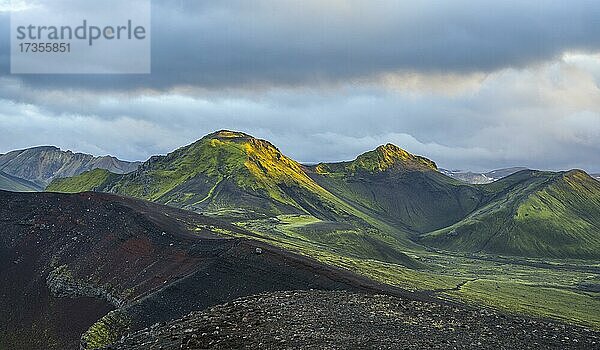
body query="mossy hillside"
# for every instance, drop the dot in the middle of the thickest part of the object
(87, 181)
(231, 170)
(533, 214)
(383, 158)
(253, 165)
(513, 284)
(563, 218)
(390, 156)
(476, 230)
(343, 238)
(400, 188)
(542, 301)
(413, 200)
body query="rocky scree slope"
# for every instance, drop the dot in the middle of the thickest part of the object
(344, 320)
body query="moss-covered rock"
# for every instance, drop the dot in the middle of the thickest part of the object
(106, 331)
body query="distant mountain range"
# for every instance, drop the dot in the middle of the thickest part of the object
(388, 197)
(487, 177)
(481, 178)
(34, 168)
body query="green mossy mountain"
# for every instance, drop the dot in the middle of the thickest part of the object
(400, 188)
(384, 158)
(223, 171)
(531, 213)
(239, 177)
(389, 197)
(232, 171)
(92, 180)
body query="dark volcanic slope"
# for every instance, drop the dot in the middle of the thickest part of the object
(66, 260)
(344, 320)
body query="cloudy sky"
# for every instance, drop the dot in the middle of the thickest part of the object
(470, 84)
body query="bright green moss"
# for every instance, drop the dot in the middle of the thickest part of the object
(389, 156)
(88, 181)
(252, 164)
(106, 331)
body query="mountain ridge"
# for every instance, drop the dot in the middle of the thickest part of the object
(223, 159)
(43, 164)
(383, 158)
(386, 193)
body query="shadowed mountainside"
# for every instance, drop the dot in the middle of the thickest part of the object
(15, 184)
(532, 213)
(398, 187)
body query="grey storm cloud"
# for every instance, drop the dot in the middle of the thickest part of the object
(264, 43)
(470, 84)
(546, 117)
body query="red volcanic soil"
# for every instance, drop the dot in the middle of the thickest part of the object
(66, 260)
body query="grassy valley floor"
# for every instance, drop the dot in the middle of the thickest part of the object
(565, 290)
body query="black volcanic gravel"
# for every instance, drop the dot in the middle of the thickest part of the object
(346, 320)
